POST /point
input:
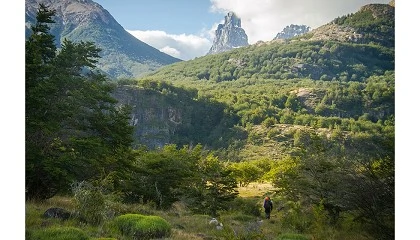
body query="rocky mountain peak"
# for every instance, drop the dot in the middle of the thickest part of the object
(292, 31)
(122, 55)
(229, 35)
(232, 19)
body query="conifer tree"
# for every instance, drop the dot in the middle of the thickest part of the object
(74, 128)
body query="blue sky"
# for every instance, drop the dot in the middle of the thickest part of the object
(173, 16)
(185, 28)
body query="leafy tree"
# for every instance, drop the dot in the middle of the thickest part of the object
(245, 173)
(353, 174)
(371, 183)
(162, 176)
(215, 188)
(292, 102)
(74, 129)
(314, 176)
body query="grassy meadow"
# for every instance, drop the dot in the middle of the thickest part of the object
(245, 220)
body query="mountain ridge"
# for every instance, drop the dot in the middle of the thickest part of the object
(122, 56)
(347, 51)
(373, 23)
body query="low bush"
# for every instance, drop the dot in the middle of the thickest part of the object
(58, 233)
(242, 217)
(90, 203)
(142, 227)
(247, 206)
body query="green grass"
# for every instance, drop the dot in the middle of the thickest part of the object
(58, 233)
(293, 236)
(104, 239)
(177, 223)
(255, 190)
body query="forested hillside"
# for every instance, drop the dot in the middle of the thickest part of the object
(314, 118)
(325, 84)
(311, 106)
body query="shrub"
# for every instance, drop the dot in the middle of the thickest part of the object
(269, 122)
(247, 206)
(296, 217)
(142, 227)
(242, 217)
(90, 203)
(59, 233)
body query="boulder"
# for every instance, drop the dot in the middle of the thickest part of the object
(57, 213)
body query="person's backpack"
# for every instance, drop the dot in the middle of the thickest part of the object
(267, 204)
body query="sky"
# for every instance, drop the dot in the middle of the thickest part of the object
(185, 28)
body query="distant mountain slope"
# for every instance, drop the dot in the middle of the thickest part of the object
(373, 23)
(123, 55)
(350, 48)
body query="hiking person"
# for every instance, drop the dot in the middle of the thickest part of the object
(268, 207)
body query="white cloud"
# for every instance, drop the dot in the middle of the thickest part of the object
(171, 51)
(263, 19)
(211, 33)
(181, 46)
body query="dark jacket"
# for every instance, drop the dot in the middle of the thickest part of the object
(268, 205)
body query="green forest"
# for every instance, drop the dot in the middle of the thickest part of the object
(312, 120)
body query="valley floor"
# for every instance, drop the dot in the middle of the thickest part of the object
(237, 224)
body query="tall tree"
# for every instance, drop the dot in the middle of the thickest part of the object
(354, 174)
(74, 128)
(163, 176)
(217, 187)
(40, 53)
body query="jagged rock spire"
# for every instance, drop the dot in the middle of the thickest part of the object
(229, 35)
(292, 31)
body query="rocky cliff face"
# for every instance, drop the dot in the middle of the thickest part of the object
(292, 31)
(229, 35)
(122, 56)
(163, 114)
(154, 120)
